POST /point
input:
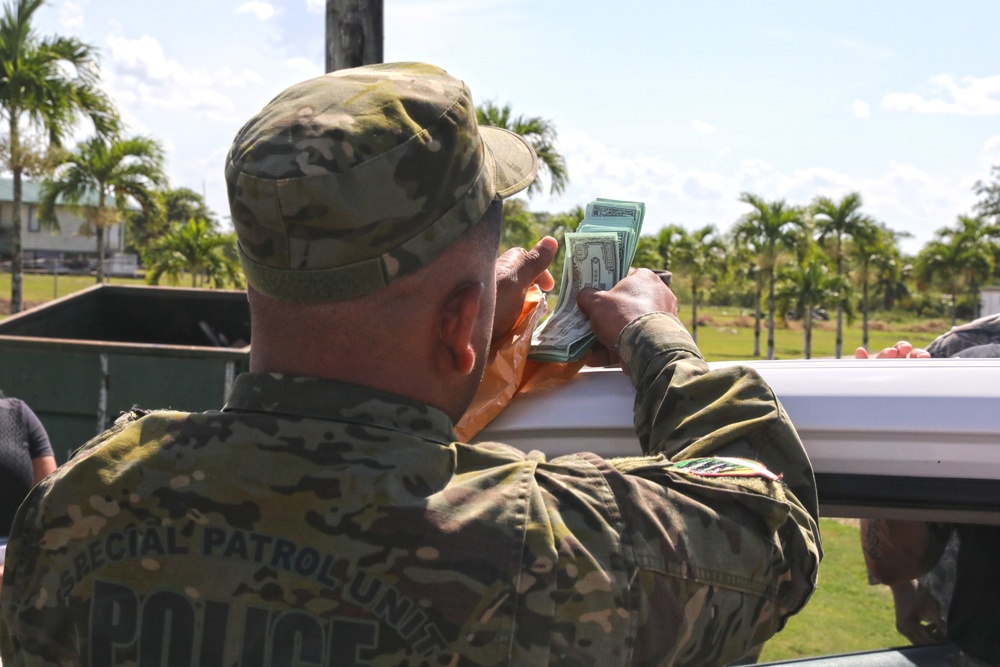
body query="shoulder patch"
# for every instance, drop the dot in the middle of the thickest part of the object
(725, 466)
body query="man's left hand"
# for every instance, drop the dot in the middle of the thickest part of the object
(517, 270)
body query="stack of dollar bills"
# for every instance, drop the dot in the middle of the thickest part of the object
(598, 254)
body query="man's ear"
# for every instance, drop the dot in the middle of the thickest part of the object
(458, 324)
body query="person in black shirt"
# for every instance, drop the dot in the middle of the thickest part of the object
(25, 459)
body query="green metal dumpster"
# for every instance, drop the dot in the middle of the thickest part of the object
(81, 360)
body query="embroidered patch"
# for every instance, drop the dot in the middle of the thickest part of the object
(725, 466)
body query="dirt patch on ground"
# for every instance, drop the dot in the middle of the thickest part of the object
(930, 326)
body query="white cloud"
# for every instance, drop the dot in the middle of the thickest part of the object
(305, 66)
(262, 10)
(906, 197)
(144, 56)
(970, 97)
(990, 155)
(701, 126)
(316, 6)
(231, 79)
(71, 16)
(861, 109)
(142, 74)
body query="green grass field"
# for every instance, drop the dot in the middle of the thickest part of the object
(41, 288)
(845, 614)
(724, 333)
(727, 334)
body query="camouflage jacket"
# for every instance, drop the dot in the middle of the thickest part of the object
(315, 523)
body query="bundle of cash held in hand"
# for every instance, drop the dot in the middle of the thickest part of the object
(598, 255)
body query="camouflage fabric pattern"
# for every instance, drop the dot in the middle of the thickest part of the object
(983, 333)
(980, 337)
(330, 524)
(347, 182)
(939, 583)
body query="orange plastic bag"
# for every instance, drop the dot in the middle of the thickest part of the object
(510, 372)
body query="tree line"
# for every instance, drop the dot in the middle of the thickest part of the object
(782, 259)
(47, 85)
(827, 258)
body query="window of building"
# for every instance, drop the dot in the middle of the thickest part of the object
(33, 225)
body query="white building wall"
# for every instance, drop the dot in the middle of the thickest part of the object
(66, 239)
(990, 300)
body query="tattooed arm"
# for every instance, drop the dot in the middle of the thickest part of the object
(897, 551)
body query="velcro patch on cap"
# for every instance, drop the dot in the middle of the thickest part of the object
(725, 466)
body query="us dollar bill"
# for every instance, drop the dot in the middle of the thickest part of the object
(592, 260)
(598, 255)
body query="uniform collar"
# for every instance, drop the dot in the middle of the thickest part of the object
(316, 398)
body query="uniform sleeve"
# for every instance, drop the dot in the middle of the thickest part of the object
(38, 439)
(721, 513)
(683, 410)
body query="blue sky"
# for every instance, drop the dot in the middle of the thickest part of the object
(682, 105)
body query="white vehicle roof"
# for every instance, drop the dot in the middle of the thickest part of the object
(888, 437)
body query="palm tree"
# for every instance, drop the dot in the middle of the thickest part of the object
(646, 254)
(195, 248)
(540, 133)
(874, 246)
(110, 172)
(808, 284)
(520, 227)
(45, 84)
(942, 262)
(836, 221)
(893, 275)
(988, 205)
(557, 226)
(175, 205)
(766, 230)
(980, 251)
(742, 270)
(702, 255)
(668, 240)
(960, 257)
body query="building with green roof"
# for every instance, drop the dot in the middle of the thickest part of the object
(44, 248)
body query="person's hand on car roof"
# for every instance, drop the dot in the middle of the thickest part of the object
(901, 350)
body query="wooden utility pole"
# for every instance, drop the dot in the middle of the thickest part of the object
(353, 33)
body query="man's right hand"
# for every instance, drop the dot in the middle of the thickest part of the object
(610, 311)
(517, 270)
(918, 614)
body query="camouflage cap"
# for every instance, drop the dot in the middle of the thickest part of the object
(349, 181)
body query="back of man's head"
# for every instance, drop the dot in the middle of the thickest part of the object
(346, 183)
(353, 196)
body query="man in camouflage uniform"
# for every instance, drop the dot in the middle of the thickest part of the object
(326, 516)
